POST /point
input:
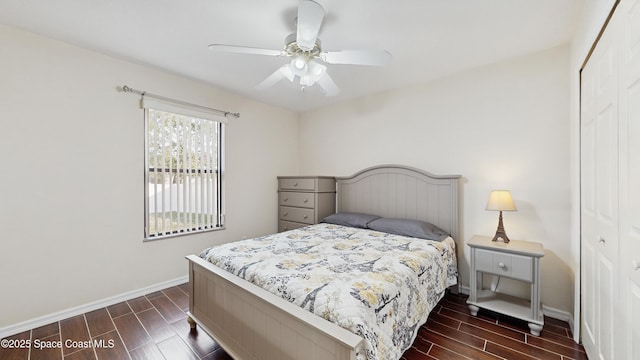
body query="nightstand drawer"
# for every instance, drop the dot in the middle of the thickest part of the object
(509, 265)
(297, 199)
(296, 214)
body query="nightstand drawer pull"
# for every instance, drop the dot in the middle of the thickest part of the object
(285, 199)
(501, 265)
(635, 265)
(602, 241)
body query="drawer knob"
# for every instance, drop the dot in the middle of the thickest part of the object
(306, 201)
(285, 213)
(306, 216)
(501, 265)
(602, 241)
(295, 184)
(285, 199)
(635, 265)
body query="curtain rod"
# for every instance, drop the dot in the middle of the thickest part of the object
(127, 89)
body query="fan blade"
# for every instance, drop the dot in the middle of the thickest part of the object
(310, 16)
(357, 57)
(328, 86)
(283, 72)
(245, 50)
(287, 72)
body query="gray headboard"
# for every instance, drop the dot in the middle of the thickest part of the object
(402, 192)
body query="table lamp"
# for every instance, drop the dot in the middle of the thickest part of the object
(500, 200)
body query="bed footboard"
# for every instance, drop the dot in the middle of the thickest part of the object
(252, 323)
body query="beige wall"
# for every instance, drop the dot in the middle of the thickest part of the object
(500, 126)
(71, 208)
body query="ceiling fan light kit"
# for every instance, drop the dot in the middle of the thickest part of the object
(299, 66)
(305, 47)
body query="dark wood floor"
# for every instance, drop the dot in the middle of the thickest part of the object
(155, 327)
(451, 333)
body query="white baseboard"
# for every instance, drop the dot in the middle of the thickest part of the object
(558, 314)
(561, 315)
(64, 314)
(548, 311)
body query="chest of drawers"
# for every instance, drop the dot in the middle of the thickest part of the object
(304, 200)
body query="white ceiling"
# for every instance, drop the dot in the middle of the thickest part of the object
(428, 38)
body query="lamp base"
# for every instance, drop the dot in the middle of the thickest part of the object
(500, 234)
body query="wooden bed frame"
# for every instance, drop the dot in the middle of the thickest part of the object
(252, 323)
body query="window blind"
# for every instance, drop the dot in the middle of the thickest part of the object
(184, 169)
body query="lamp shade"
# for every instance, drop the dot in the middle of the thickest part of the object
(501, 200)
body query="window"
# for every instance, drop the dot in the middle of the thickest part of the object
(183, 170)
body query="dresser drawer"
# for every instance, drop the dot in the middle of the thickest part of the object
(300, 215)
(289, 225)
(308, 184)
(297, 199)
(509, 265)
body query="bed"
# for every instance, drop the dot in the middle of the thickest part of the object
(250, 322)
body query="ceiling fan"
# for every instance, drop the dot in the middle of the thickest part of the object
(307, 55)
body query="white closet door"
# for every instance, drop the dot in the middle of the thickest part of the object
(599, 127)
(588, 216)
(629, 121)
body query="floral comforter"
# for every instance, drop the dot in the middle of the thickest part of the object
(377, 285)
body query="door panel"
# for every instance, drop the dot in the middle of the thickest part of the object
(606, 299)
(588, 210)
(589, 300)
(629, 136)
(631, 334)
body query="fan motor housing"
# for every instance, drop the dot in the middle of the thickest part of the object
(292, 49)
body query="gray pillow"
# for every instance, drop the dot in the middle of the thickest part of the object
(350, 219)
(407, 227)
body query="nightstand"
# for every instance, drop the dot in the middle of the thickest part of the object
(519, 260)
